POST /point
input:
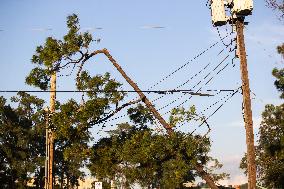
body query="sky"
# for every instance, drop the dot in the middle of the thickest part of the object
(149, 54)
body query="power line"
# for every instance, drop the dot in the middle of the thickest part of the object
(184, 92)
(196, 76)
(199, 84)
(162, 92)
(209, 90)
(184, 65)
(186, 81)
(222, 40)
(172, 73)
(233, 94)
(205, 120)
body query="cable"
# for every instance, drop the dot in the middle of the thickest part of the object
(204, 69)
(198, 84)
(222, 40)
(193, 77)
(205, 109)
(233, 94)
(194, 58)
(184, 65)
(205, 120)
(191, 89)
(163, 92)
(172, 73)
(186, 81)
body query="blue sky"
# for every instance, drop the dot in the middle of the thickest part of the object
(148, 55)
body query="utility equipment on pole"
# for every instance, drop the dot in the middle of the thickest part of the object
(240, 9)
(218, 13)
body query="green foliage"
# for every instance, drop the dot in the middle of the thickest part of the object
(39, 78)
(270, 148)
(180, 115)
(54, 54)
(71, 142)
(279, 83)
(136, 154)
(141, 156)
(21, 141)
(72, 121)
(140, 115)
(280, 49)
(22, 133)
(279, 73)
(101, 87)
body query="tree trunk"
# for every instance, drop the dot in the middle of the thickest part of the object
(200, 169)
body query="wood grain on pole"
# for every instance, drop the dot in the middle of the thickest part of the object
(251, 166)
(51, 133)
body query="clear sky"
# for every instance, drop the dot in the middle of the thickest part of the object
(149, 54)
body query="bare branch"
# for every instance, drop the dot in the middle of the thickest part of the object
(73, 61)
(86, 57)
(114, 112)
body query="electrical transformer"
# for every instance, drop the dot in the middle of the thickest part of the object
(242, 7)
(218, 13)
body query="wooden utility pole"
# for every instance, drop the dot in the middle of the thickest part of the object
(140, 93)
(50, 131)
(46, 148)
(251, 166)
(239, 10)
(199, 168)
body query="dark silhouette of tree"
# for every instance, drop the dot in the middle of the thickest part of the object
(140, 155)
(21, 141)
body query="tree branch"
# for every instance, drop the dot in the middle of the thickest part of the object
(114, 112)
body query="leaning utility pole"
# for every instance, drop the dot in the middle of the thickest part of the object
(239, 10)
(251, 166)
(198, 167)
(51, 132)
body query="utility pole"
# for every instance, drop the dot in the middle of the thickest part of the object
(140, 93)
(239, 10)
(251, 166)
(51, 132)
(46, 148)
